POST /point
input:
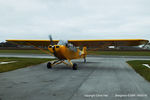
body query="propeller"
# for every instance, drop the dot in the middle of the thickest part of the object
(51, 40)
(52, 43)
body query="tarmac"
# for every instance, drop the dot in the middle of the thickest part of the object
(101, 78)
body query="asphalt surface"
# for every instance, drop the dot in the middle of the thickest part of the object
(101, 78)
(48, 56)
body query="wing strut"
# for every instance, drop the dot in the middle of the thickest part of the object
(40, 49)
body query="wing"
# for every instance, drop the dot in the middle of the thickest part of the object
(108, 42)
(87, 43)
(37, 43)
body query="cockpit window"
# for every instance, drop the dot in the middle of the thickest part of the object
(68, 45)
(62, 42)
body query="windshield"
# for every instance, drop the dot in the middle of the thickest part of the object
(62, 42)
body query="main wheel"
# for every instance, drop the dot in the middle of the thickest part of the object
(74, 66)
(49, 65)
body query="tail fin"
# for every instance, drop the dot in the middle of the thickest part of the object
(84, 52)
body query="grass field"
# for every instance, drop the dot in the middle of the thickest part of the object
(22, 51)
(120, 53)
(141, 69)
(123, 53)
(20, 63)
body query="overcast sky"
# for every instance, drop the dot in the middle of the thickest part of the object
(74, 19)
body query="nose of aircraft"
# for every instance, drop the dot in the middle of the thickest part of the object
(53, 49)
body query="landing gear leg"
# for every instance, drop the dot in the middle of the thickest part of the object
(50, 64)
(73, 65)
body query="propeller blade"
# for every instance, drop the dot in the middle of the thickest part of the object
(52, 43)
(51, 40)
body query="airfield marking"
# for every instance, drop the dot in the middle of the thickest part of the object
(146, 65)
(7, 62)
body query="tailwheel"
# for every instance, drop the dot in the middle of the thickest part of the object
(49, 65)
(74, 66)
(84, 60)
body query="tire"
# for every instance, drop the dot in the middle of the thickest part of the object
(74, 66)
(49, 65)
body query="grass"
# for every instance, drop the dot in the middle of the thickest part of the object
(120, 53)
(22, 51)
(21, 63)
(141, 69)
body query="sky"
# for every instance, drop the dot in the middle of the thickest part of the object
(74, 19)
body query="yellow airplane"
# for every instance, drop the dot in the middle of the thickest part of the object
(68, 50)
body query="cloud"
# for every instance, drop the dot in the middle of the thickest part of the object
(74, 19)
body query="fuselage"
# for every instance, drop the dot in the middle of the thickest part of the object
(63, 52)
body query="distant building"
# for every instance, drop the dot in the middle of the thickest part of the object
(130, 48)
